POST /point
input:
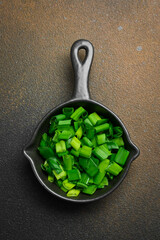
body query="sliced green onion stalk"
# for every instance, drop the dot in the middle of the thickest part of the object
(94, 117)
(79, 132)
(77, 113)
(102, 127)
(65, 122)
(82, 151)
(73, 193)
(68, 185)
(51, 178)
(101, 138)
(85, 151)
(75, 143)
(121, 156)
(67, 111)
(60, 146)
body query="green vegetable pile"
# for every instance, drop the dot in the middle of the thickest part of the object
(82, 152)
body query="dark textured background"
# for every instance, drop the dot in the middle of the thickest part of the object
(36, 75)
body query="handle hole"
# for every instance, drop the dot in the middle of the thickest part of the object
(82, 55)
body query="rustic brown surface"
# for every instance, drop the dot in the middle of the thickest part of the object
(36, 75)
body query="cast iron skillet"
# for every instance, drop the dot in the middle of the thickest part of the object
(80, 97)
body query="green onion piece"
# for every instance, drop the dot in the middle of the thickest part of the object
(50, 178)
(101, 152)
(53, 162)
(73, 193)
(110, 131)
(67, 184)
(85, 152)
(110, 175)
(112, 157)
(101, 121)
(87, 142)
(96, 160)
(79, 132)
(75, 143)
(52, 127)
(90, 132)
(56, 135)
(88, 123)
(81, 185)
(114, 169)
(65, 122)
(90, 181)
(68, 161)
(103, 165)
(94, 141)
(44, 136)
(60, 146)
(85, 115)
(90, 189)
(57, 118)
(121, 156)
(76, 125)
(104, 148)
(64, 189)
(102, 127)
(101, 138)
(68, 143)
(98, 178)
(119, 141)
(74, 152)
(62, 154)
(66, 134)
(112, 145)
(89, 166)
(84, 178)
(43, 168)
(60, 175)
(118, 131)
(49, 171)
(46, 152)
(103, 183)
(67, 111)
(77, 113)
(43, 143)
(58, 182)
(74, 174)
(94, 117)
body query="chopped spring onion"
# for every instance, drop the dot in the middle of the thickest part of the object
(114, 168)
(85, 151)
(46, 152)
(75, 143)
(94, 117)
(67, 111)
(121, 156)
(73, 193)
(68, 161)
(102, 127)
(65, 122)
(119, 141)
(60, 146)
(68, 185)
(101, 138)
(79, 132)
(74, 174)
(82, 151)
(50, 178)
(77, 113)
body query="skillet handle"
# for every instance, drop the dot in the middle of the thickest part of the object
(81, 69)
